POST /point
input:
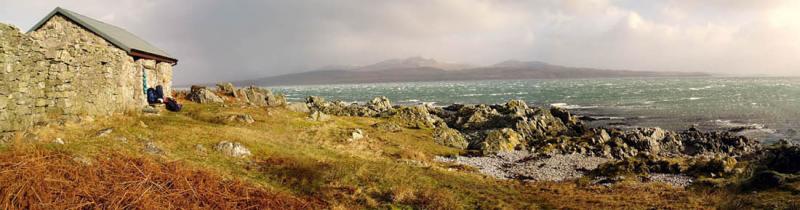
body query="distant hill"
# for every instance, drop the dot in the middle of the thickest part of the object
(417, 69)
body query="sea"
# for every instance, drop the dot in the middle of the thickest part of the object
(767, 109)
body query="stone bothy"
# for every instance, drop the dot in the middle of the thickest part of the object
(70, 65)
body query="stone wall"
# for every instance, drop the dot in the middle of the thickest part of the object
(62, 71)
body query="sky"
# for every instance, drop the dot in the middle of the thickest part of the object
(218, 40)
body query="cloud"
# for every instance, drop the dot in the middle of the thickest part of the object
(229, 40)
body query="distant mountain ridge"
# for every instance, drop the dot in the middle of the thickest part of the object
(417, 69)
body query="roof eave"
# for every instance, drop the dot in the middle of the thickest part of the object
(146, 55)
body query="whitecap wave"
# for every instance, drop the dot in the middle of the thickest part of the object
(743, 127)
(571, 106)
(472, 95)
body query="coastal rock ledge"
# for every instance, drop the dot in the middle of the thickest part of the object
(544, 133)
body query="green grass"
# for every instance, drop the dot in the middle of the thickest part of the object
(314, 159)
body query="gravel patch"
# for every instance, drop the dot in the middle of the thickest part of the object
(556, 167)
(676, 180)
(526, 166)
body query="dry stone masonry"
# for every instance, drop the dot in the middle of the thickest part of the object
(61, 71)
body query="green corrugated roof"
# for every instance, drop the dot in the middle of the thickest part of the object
(116, 35)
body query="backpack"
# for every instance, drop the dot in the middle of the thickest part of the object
(151, 96)
(172, 105)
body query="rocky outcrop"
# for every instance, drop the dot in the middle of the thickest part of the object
(252, 95)
(414, 117)
(696, 143)
(373, 108)
(201, 95)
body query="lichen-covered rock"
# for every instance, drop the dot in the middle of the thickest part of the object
(502, 140)
(380, 104)
(414, 117)
(477, 117)
(449, 137)
(517, 107)
(388, 127)
(232, 149)
(238, 118)
(202, 95)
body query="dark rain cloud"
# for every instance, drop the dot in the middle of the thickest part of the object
(231, 40)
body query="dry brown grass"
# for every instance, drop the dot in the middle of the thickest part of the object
(296, 163)
(45, 179)
(636, 195)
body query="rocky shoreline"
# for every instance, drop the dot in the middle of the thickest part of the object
(517, 141)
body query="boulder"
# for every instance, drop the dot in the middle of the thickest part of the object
(149, 110)
(517, 107)
(152, 148)
(227, 89)
(315, 102)
(449, 137)
(783, 159)
(380, 104)
(104, 132)
(713, 167)
(646, 139)
(764, 180)
(355, 135)
(563, 115)
(232, 149)
(414, 117)
(502, 140)
(539, 126)
(318, 116)
(696, 142)
(478, 117)
(255, 96)
(298, 107)
(202, 95)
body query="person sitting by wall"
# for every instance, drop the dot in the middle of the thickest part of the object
(152, 98)
(155, 96)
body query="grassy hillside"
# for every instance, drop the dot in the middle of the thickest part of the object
(296, 164)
